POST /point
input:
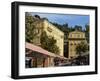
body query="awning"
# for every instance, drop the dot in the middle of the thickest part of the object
(41, 50)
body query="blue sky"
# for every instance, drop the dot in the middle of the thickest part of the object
(71, 19)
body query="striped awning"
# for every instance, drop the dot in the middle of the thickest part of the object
(42, 51)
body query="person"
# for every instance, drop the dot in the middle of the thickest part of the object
(30, 63)
(56, 62)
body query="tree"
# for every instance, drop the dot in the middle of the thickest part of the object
(64, 28)
(49, 43)
(81, 48)
(87, 30)
(30, 28)
(37, 16)
(77, 27)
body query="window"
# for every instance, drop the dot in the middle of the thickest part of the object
(83, 35)
(71, 35)
(75, 44)
(71, 44)
(62, 37)
(74, 35)
(78, 36)
(49, 29)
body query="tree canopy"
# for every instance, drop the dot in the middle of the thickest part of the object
(81, 48)
(87, 30)
(29, 28)
(49, 43)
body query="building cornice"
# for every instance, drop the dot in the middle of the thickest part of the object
(76, 38)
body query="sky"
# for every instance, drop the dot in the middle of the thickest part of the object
(71, 19)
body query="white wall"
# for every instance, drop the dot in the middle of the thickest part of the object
(5, 40)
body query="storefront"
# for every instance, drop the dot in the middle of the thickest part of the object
(39, 57)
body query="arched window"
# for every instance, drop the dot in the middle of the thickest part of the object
(70, 35)
(78, 35)
(74, 35)
(71, 44)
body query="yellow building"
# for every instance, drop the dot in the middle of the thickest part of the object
(53, 31)
(36, 56)
(74, 39)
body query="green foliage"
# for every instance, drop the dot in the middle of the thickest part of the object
(66, 29)
(77, 27)
(49, 43)
(87, 32)
(63, 28)
(81, 48)
(29, 28)
(87, 28)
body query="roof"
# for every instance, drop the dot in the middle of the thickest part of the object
(76, 31)
(41, 50)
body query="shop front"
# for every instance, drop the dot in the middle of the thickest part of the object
(39, 57)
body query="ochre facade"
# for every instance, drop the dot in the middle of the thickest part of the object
(74, 39)
(53, 31)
